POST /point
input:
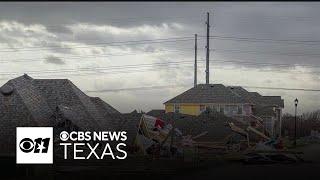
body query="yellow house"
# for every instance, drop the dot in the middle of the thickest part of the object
(215, 96)
(233, 101)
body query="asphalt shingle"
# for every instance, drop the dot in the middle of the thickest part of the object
(208, 93)
(25, 101)
(256, 98)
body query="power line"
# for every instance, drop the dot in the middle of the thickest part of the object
(166, 40)
(244, 62)
(178, 50)
(120, 43)
(120, 69)
(188, 85)
(48, 71)
(277, 88)
(266, 52)
(121, 20)
(137, 66)
(89, 56)
(136, 88)
(175, 50)
(113, 22)
(268, 40)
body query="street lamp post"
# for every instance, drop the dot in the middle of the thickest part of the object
(295, 122)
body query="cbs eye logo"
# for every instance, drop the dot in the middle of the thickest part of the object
(38, 145)
(34, 145)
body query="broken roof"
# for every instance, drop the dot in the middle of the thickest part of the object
(209, 93)
(156, 112)
(214, 123)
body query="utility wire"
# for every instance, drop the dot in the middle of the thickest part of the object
(277, 88)
(245, 62)
(48, 71)
(266, 52)
(119, 43)
(91, 56)
(121, 20)
(121, 71)
(129, 68)
(267, 40)
(188, 85)
(137, 88)
(177, 50)
(165, 40)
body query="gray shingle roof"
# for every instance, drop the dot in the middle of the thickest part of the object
(262, 111)
(250, 96)
(35, 102)
(208, 93)
(258, 99)
(272, 100)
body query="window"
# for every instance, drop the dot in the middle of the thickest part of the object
(176, 108)
(231, 109)
(239, 109)
(221, 108)
(214, 107)
(202, 108)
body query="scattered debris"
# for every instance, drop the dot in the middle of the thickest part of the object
(174, 135)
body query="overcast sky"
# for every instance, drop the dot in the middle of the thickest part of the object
(250, 39)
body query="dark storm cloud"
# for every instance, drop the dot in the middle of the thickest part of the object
(60, 25)
(247, 19)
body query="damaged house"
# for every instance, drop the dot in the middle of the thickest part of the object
(232, 101)
(25, 101)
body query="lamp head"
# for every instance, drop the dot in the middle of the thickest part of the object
(296, 102)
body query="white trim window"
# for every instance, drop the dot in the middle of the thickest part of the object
(214, 107)
(202, 108)
(176, 108)
(231, 110)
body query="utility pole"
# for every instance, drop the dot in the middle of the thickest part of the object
(195, 59)
(295, 121)
(208, 49)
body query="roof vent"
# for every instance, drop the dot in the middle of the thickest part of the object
(6, 90)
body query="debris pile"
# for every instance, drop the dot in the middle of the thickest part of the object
(174, 135)
(208, 133)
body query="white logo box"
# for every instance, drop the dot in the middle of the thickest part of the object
(34, 133)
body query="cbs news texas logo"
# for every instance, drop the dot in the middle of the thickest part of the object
(34, 145)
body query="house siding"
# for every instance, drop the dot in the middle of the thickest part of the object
(191, 109)
(194, 109)
(169, 108)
